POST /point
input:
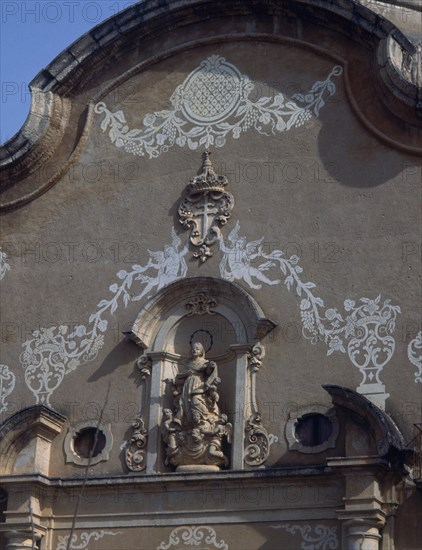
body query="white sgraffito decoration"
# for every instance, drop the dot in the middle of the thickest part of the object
(4, 266)
(7, 378)
(7, 385)
(368, 328)
(414, 353)
(212, 104)
(80, 542)
(365, 331)
(54, 352)
(320, 537)
(236, 262)
(188, 537)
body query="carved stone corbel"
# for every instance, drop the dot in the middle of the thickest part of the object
(257, 439)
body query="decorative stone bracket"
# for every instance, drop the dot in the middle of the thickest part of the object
(257, 440)
(135, 454)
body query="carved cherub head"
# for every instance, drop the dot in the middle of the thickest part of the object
(196, 417)
(167, 414)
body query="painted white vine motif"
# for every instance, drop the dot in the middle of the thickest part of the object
(7, 385)
(320, 537)
(4, 266)
(80, 542)
(54, 352)
(193, 536)
(414, 353)
(365, 330)
(213, 103)
(368, 327)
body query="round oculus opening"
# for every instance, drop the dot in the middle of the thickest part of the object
(313, 429)
(89, 442)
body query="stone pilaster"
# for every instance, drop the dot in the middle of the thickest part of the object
(364, 514)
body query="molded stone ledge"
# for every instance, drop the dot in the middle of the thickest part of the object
(84, 47)
(171, 477)
(63, 65)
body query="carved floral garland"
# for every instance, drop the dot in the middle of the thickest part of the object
(85, 538)
(320, 537)
(211, 104)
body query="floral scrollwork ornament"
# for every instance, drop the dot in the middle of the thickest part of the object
(258, 441)
(414, 353)
(7, 385)
(135, 451)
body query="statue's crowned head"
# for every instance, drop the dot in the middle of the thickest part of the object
(197, 350)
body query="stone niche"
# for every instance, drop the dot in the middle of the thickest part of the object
(201, 341)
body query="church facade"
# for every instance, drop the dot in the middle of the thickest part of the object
(210, 283)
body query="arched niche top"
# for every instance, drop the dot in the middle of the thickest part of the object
(38, 422)
(387, 436)
(199, 296)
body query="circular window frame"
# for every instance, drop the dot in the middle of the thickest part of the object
(294, 444)
(69, 444)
